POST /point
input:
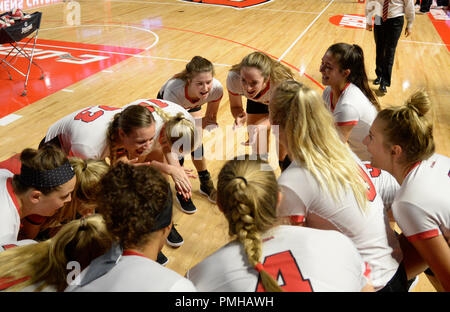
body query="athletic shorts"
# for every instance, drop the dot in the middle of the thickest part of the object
(256, 107)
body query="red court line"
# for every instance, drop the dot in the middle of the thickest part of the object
(212, 36)
(247, 46)
(216, 37)
(38, 89)
(442, 27)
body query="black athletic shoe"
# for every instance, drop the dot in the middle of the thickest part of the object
(377, 81)
(383, 88)
(174, 239)
(207, 188)
(186, 205)
(162, 259)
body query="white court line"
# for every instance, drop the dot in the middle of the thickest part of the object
(126, 54)
(304, 32)
(93, 25)
(9, 119)
(67, 90)
(423, 42)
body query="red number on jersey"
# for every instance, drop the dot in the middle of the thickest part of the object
(158, 103)
(283, 266)
(8, 246)
(87, 116)
(371, 191)
(374, 172)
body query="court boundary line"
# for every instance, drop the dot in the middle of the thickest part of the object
(301, 73)
(112, 25)
(304, 32)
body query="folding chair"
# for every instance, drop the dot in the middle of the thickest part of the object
(13, 35)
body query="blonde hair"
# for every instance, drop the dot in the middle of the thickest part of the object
(248, 197)
(314, 141)
(131, 118)
(45, 263)
(196, 66)
(408, 127)
(269, 67)
(177, 127)
(88, 173)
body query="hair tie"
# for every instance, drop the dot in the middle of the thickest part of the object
(259, 267)
(83, 223)
(242, 178)
(412, 107)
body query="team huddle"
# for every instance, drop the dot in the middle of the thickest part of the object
(97, 191)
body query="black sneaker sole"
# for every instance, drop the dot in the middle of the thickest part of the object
(186, 211)
(164, 263)
(206, 194)
(174, 244)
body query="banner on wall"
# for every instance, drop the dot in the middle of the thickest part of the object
(239, 4)
(8, 5)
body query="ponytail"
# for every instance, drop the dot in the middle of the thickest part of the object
(44, 264)
(408, 127)
(248, 198)
(177, 127)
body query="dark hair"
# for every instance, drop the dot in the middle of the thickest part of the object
(48, 157)
(352, 57)
(132, 117)
(130, 198)
(197, 65)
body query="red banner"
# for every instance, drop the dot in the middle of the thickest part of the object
(8, 5)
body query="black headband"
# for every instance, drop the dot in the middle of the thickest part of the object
(164, 219)
(46, 178)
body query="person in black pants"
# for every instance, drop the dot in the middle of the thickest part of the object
(425, 6)
(387, 31)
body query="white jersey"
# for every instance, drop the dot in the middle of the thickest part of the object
(175, 90)
(234, 87)
(385, 184)
(170, 108)
(83, 133)
(422, 205)
(353, 108)
(302, 259)
(9, 208)
(136, 273)
(370, 231)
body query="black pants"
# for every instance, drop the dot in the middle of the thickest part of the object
(425, 5)
(386, 36)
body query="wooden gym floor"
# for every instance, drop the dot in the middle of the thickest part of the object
(96, 52)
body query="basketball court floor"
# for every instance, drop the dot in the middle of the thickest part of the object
(113, 52)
